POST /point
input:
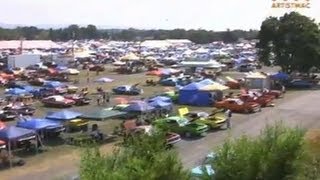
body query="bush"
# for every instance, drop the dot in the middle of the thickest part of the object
(139, 157)
(276, 154)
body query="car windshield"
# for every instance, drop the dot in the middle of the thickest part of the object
(58, 98)
(183, 122)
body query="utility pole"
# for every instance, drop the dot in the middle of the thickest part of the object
(21, 44)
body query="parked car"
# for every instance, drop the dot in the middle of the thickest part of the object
(171, 137)
(127, 90)
(214, 120)
(76, 125)
(58, 101)
(237, 105)
(246, 68)
(299, 83)
(96, 68)
(262, 100)
(36, 81)
(79, 100)
(23, 110)
(182, 126)
(7, 116)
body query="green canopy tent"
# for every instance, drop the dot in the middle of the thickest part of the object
(103, 114)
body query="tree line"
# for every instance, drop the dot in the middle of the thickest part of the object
(92, 32)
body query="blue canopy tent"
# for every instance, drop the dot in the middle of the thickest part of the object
(63, 115)
(161, 105)
(139, 107)
(280, 76)
(10, 134)
(13, 133)
(29, 89)
(52, 84)
(193, 95)
(160, 98)
(38, 124)
(16, 91)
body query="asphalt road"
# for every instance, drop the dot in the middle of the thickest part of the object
(296, 109)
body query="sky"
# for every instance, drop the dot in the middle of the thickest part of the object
(147, 14)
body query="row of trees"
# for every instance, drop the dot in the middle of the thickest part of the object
(91, 32)
(278, 153)
(291, 42)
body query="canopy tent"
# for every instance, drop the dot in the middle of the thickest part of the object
(63, 115)
(206, 82)
(13, 133)
(161, 105)
(255, 75)
(160, 98)
(194, 94)
(16, 91)
(193, 86)
(129, 57)
(280, 76)
(52, 84)
(103, 114)
(37, 124)
(214, 86)
(104, 80)
(138, 107)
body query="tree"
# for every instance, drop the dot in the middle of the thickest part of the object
(293, 40)
(138, 157)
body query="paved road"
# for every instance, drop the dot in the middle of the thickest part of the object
(297, 108)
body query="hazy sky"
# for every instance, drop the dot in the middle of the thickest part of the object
(166, 14)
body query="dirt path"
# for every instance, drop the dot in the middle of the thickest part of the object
(297, 108)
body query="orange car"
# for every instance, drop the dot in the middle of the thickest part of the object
(237, 105)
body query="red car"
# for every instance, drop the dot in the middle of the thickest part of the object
(58, 101)
(237, 105)
(266, 92)
(79, 100)
(263, 101)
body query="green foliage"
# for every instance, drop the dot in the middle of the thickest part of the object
(91, 32)
(139, 157)
(293, 39)
(276, 154)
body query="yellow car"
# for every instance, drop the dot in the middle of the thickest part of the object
(214, 120)
(76, 124)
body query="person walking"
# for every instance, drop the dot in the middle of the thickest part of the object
(98, 99)
(228, 114)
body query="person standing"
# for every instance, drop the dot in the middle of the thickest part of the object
(228, 114)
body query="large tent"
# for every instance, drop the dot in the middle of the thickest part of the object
(38, 124)
(193, 95)
(103, 114)
(63, 115)
(13, 133)
(139, 107)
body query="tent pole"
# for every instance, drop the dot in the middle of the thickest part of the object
(9, 148)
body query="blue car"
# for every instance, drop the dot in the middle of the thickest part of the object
(206, 168)
(169, 82)
(300, 83)
(127, 90)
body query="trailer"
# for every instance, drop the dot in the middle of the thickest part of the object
(23, 61)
